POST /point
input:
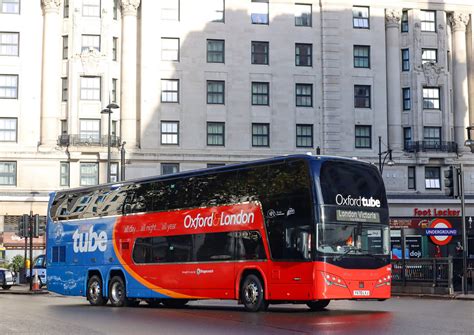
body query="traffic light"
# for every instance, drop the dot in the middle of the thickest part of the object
(23, 225)
(451, 182)
(36, 224)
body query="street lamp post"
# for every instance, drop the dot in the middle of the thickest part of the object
(108, 110)
(122, 161)
(387, 153)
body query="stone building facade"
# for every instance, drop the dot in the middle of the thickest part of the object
(200, 83)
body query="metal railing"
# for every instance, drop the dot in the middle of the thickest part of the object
(437, 272)
(433, 145)
(87, 140)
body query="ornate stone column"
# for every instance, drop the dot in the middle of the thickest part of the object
(394, 108)
(459, 22)
(51, 73)
(128, 92)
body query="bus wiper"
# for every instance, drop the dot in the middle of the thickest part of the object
(349, 250)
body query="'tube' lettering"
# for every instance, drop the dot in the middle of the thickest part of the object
(89, 241)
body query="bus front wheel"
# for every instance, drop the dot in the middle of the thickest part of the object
(94, 291)
(318, 305)
(252, 294)
(117, 293)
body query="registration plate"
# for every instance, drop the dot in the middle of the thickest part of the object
(361, 293)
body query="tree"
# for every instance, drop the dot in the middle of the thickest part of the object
(16, 263)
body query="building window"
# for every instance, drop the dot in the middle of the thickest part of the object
(429, 56)
(170, 49)
(404, 27)
(431, 97)
(407, 138)
(405, 60)
(65, 47)
(217, 10)
(360, 17)
(89, 174)
(114, 90)
(90, 88)
(8, 129)
(9, 44)
(91, 8)
(113, 131)
(90, 42)
(259, 11)
(10, 6)
(363, 137)
(406, 98)
(114, 172)
(169, 168)
(170, 10)
(170, 132)
(89, 131)
(303, 54)
(303, 14)
(64, 127)
(361, 56)
(215, 51)
(260, 93)
(361, 96)
(432, 137)
(115, 9)
(66, 9)
(412, 178)
(304, 95)
(428, 20)
(215, 92)
(214, 165)
(216, 133)
(260, 52)
(8, 173)
(64, 174)
(64, 93)
(304, 135)
(114, 48)
(170, 90)
(260, 134)
(432, 177)
(8, 86)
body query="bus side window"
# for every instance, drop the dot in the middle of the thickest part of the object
(249, 245)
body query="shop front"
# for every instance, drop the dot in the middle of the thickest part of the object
(427, 249)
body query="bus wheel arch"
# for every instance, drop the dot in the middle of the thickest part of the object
(95, 292)
(252, 290)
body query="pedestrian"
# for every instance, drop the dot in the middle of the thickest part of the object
(438, 252)
(459, 249)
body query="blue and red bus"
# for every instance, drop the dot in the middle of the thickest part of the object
(295, 229)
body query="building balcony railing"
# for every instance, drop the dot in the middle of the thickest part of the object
(87, 140)
(432, 145)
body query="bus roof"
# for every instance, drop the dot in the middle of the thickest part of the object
(229, 167)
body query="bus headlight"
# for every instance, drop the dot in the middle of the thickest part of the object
(384, 281)
(331, 279)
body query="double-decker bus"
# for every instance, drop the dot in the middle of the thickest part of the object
(294, 229)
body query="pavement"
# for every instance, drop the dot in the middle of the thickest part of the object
(25, 289)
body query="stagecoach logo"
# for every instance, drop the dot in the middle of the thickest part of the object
(89, 241)
(203, 271)
(360, 201)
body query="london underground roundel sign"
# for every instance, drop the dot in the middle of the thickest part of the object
(440, 231)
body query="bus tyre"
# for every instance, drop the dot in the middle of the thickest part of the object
(94, 291)
(117, 293)
(174, 303)
(6, 287)
(318, 305)
(252, 294)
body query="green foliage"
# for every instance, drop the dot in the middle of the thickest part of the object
(17, 263)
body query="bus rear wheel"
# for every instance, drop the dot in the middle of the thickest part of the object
(252, 294)
(94, 291)
(117, 293)
(318, 305)
(174, 303)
